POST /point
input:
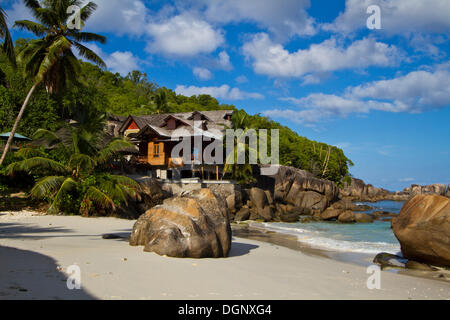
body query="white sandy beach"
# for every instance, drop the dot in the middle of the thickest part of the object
(35, 251)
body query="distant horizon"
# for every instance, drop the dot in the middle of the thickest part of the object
(379, 94)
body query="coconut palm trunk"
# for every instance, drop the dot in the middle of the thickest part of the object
(16, 124)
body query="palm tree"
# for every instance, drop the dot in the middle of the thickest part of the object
(7, 46)
(49, 60)
(160, 101)
(242, 173)
(80, 172)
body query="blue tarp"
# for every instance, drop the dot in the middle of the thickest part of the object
(16, 136)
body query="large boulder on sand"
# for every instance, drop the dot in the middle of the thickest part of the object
(423, 229)
(194, 225)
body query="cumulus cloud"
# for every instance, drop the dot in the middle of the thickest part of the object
(183, 35)
(118, 61)
(224, 61)
(122, 62)
(397, 16)
(202, 73)
(119, 16)
(282, 20)
(18, 11)
(241, 79)
(222, 92)
(274, 60)
(417, 91)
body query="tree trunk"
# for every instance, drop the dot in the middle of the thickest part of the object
(16, 124)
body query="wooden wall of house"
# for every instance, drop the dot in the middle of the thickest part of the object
(156, 159)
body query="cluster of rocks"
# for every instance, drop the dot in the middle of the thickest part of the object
(196, 222)
(357, 190)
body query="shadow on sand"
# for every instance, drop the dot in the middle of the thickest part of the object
(241, 249)
(27, 275)
(26, 231)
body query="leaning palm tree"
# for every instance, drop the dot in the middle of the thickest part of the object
(80, 172)
(49, 60)
(7, 46)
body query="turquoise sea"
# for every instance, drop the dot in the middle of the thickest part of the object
(359, 237)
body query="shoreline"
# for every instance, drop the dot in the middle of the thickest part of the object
(259, 232)
(36, 250)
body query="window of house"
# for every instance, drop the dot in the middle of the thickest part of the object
(156, 151)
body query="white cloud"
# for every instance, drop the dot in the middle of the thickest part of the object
(183, 35)
(222, 92)
(18, 11)
(224, 61)
(241, 79)
(122, 62)
(202, 73)
(119, 16)
(397, 16)
(274, 60)
(418, 91)
(118, 61)
(283, 20)
(415, 92)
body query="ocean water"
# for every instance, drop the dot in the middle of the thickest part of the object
(369, 238)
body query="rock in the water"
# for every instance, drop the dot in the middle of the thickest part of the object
(194, 225)
(383, 215)
(363, 218)
(423, 229)
(385, 260)
(347, 217)
(330, 214)
(290, 217)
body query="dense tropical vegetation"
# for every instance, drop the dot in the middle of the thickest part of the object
(49, 60)
(78, 167)
(72, 168)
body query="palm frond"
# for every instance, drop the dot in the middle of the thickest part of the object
(27, 153)
(35, 165)
(89, 54)
(112, 148)
(100, 198)
(47, 186)
(87, 11)
(87, 37)
(33, 27)
(67, 186)
(82, 161)
(8, 46)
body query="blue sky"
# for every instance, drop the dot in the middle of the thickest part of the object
(383, 95)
